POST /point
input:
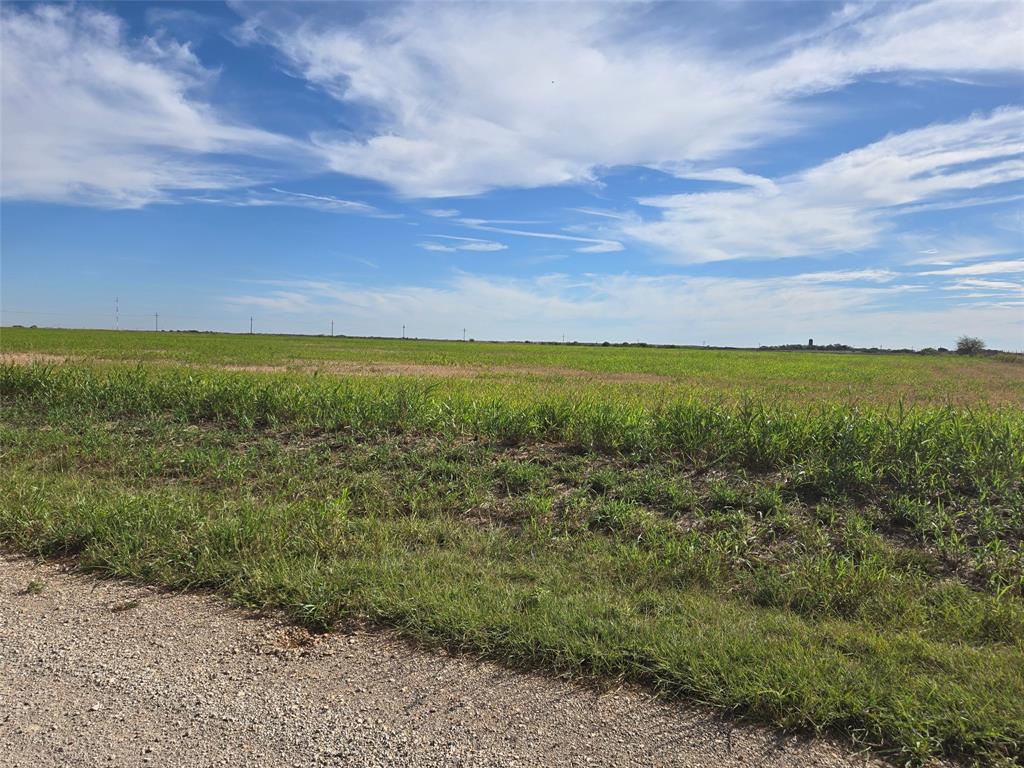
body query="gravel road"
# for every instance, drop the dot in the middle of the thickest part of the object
(103, 673)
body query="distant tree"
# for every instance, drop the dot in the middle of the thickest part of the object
(969, 345)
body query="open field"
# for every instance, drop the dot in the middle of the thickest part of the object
(818, 541)
(661, 373)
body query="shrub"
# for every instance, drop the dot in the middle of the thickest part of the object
(969, 345)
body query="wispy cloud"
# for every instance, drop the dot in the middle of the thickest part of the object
(983, 268)
(963, 202)
(947, 250)
(604, 213)
(441, 213)
(274, 197)
(328, 203)
(848, 276)
(726, 175)
(461, 105)
(988, 285)
(989, 292)
(596, 245)
(462, 244)
(842, 204)
(92, 117)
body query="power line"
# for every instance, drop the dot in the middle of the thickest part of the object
(64, 314)
(140, 318)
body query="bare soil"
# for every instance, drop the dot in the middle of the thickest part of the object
(104, 673)
(354, 368)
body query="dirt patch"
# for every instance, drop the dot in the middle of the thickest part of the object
(36, 358)
(467, 371)
(353, 368)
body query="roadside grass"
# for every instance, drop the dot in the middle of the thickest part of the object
(828, 567)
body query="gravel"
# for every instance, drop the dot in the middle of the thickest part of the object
(103, 673)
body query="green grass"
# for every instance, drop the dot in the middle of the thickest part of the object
(827, 565)
(646, 373)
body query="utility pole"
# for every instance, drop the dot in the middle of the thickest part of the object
(463, 334)
(332, 329)
(250, 326)
(403, 331)
(156, 321)
(117, 315)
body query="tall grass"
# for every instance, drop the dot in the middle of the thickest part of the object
(825, 566)
(640, 371)
(923, 452)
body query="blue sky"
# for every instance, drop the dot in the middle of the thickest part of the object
(728, 173)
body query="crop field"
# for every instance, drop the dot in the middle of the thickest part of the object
(637, 373)
(826, 542)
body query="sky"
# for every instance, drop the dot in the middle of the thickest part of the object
(737, 173)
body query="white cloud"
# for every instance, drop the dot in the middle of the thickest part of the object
(726, 175)
(604, 214)
(842, 204)
(91, 117)
(463, 244)
(596, 245)
(668, 309)
(463, 98)
(984, 268)
(273, 197)
(327, 203)
(988, 285)
(605, 246)
(925, 38)
(989, 290)
(962, 202)
(847, 276)
(946, 251)
(441, 213)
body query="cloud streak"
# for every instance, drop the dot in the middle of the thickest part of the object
(463, 244)
(596, 245)
(983, 268)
